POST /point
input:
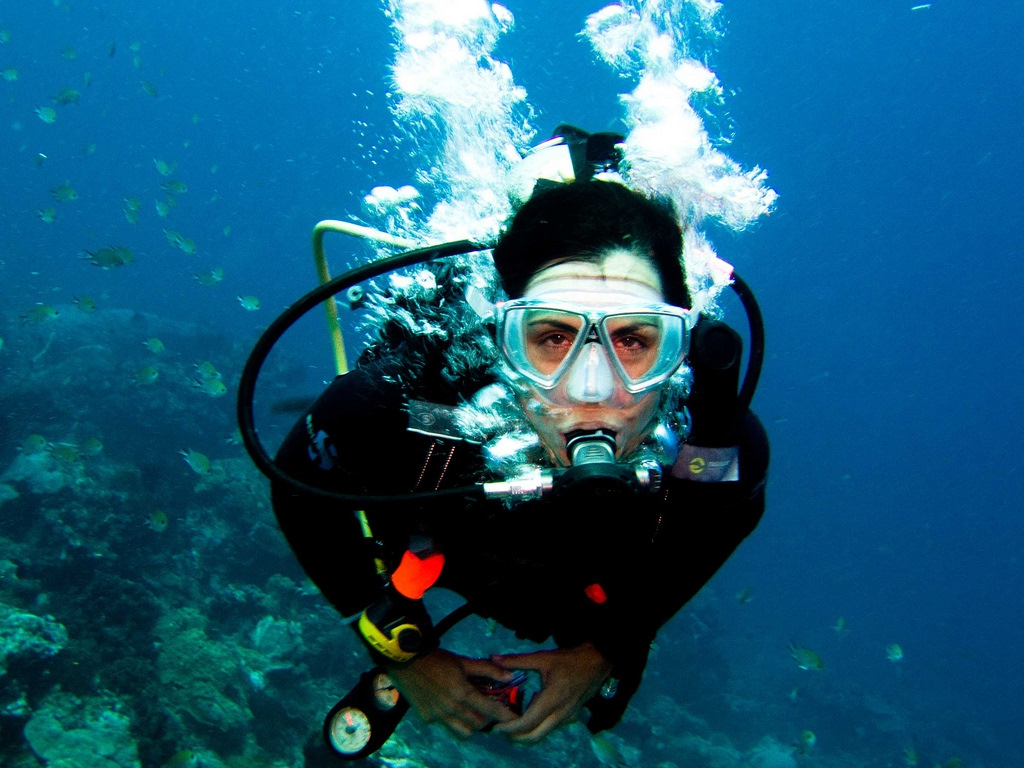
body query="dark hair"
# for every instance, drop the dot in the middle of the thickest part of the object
(582, 221)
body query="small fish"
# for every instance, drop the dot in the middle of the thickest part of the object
(805, 658)
(154, 345)
(90, 149)
(205, 370)
(179, 241)
(67, 96)
(47, 215)
(910, 757)
(91, 447)
(110, 257)
(69, 53)
(163, 210)
(147, 86)
(87, 79)
(47, 114)
(807, 742)
(174, 187)
(211, 387)
(163, 167)
(607, 751)
(10, 74)
(5, 35)
(196, 461)
(86, 304)
(158, 520)
(921, 7)
(173, 236)
(66, 453)
(105, 258)
(64, 193)
(212, 277)
(894, 653)
(250, 303)
(137, 62)
(40, 313)
(794, 695)
(112, 49)
(135, 46)
(132, 206)
(840, 627)
(227, 231)
(146, 375)
(745, 595)
(34, 444)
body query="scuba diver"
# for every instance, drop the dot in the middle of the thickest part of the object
(604, 420)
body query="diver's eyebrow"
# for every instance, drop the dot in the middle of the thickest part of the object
(553, 323)
(634, 326)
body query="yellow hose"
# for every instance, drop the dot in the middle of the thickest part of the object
(322, 272)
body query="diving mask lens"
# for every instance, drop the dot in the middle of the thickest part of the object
(645, 345)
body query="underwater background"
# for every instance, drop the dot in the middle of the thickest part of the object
(161, 168)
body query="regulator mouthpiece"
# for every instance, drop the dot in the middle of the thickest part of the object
(594, 446)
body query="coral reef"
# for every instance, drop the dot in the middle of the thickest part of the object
(67, 732)
(26, 635)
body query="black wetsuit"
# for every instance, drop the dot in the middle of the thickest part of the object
(528, 567)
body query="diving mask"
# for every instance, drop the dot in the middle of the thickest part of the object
(548, 342)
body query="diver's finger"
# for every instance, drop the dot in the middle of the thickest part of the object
(474, 711)
(519, 733)
(466, 718)
(541, 707)
(535, 661)
(486, 668)
(491, 710)
(539, 733)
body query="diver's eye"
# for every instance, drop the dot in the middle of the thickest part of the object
(547, 345)
(633, 343)
(555, 340)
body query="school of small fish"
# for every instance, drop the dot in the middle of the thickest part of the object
(62, 102)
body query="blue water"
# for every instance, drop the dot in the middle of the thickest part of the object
(889, 275)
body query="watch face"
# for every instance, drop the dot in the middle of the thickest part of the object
(350, 730)
(384, 692)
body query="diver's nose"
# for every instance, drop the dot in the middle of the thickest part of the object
(591, 377)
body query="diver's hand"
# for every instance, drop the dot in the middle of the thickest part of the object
(570, 677)
(438, 688)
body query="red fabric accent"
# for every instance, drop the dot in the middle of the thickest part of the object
(414, 575)
(596, 593)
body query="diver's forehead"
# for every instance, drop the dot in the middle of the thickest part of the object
(620, 277)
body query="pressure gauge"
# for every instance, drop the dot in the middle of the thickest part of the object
(359, 724)
(349, 730)
(385, 695)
